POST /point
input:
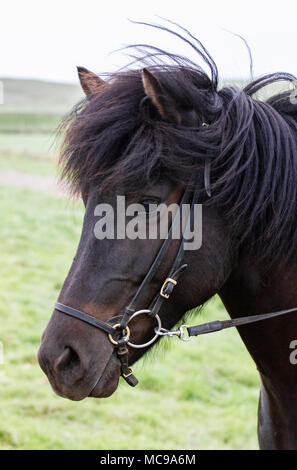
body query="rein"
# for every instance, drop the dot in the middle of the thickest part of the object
(117, 327)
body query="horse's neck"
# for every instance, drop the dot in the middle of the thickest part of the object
(270, 344)
(247, 293)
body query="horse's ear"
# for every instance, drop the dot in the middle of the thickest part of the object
(161, 99)
(90, 82)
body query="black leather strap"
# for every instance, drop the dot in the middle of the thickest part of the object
(176, 269)
(84, 317)
(218, 325)
(126, 372)
(156, 263)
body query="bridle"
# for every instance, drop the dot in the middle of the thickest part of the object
(117, 327)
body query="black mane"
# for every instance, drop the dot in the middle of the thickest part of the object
(115, 137)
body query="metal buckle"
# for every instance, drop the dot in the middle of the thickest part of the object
(167, 281)
(128, 375)
(181, 333)
(126, 335)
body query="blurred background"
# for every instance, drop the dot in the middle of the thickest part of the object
(198, 395)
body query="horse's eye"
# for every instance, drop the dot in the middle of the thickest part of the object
(150, 204)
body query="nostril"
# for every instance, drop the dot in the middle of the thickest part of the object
(67, 361)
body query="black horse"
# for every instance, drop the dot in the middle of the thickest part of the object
(147, 134)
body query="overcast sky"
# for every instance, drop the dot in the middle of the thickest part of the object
(47, 39)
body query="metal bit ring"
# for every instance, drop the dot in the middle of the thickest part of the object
(151, 341)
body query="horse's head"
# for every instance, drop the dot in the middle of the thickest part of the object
(117, 145)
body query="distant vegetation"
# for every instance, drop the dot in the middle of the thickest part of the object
(38, 97)
(29, 117)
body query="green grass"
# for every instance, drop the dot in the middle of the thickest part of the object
(27, 144)
(201, 394)
(29, 165)
(26, 148)
(38, 97)
(28, 123)
(28, 153)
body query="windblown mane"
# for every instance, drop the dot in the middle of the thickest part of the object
(115, 137)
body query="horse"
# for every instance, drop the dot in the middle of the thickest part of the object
(153, 134)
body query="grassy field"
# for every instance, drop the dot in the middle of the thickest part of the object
(38, 97)
(197, 395)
